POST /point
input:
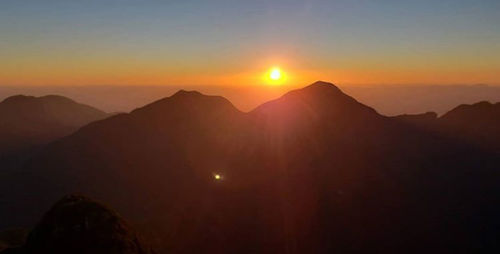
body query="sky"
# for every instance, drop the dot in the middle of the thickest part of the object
(235, 43)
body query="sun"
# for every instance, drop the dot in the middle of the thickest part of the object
(275, 74)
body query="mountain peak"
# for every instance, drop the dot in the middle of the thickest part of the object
(321, 83)
(318, 98)
(186, 93)
(26, 121)
(319, 89)
(25, 99)
(482, 107)
(18, 98)
(188, 100)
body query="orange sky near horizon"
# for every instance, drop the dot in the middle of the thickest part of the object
(234, 43)
(52, 66)
(64, 76)
(94, 70)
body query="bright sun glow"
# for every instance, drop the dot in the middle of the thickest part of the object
(275, 74)
(217, 177)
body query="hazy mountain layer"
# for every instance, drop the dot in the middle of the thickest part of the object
(386, 99)
(27, 121)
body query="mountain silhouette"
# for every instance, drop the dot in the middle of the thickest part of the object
(313, 171)
(27, 121)
(477, 124)
(77, 224)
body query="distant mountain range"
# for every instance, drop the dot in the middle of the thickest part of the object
(477, 124)
(313, 171)
(386, 99)
(27, 121)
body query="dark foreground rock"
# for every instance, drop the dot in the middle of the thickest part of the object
(77, 224)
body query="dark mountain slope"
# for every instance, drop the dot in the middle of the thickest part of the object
(358, 172)
(311, 172)
(162, 156)
(27, 121)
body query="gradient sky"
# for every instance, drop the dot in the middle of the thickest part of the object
(160, 42)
